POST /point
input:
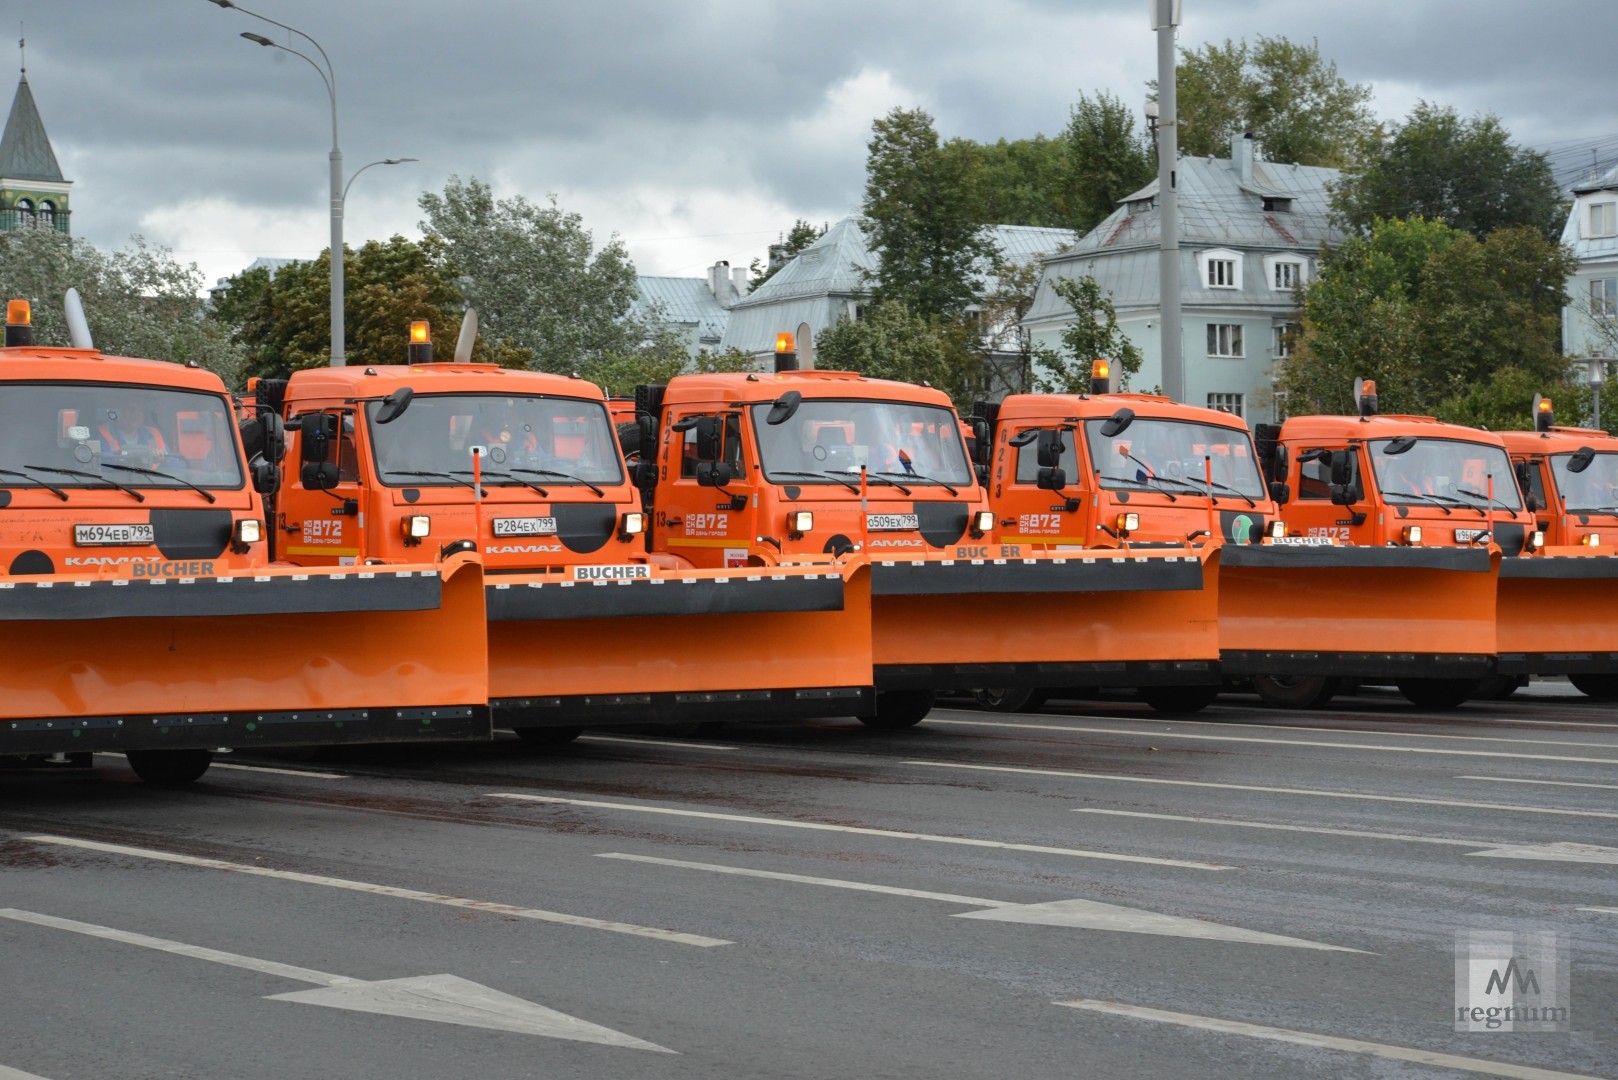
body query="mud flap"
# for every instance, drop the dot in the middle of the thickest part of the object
(681, 645)
(1556, 615)
(1092, 618)
(275, 657)
(1389, 612)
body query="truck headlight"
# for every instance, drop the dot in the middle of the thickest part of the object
(800, 521)
(1412, 534)
(632, 524)
(1128, 522)
(416, 526)
(1278, 529)
(248, 531)
(982, 523)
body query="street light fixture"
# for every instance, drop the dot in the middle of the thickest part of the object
(339, 190)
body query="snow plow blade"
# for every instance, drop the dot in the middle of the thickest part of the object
(1091, 618)
(1363, 611)
(1556, 614)
(269, 657)
(680, 645)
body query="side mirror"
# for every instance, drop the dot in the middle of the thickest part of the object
(646, 474)
(266, 477)
(1581, 459)
(1280, 492)
(1279, 462)
(394, 404)
(1051, 478)
(275, 437)
(648, 435)
(713, 473)
(710, 438)
(1117, 422)
(982, 446)
(1051, 448)
(316, 431)
(783, 408)
(1342, 462)
(1345, 494)
(319, 475)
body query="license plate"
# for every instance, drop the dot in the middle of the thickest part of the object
(1471, 536)
(892, 522)
(532, 526)
(106, 535)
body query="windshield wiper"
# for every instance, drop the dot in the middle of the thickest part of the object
(511, 481)
(883, 478)
(845, 481)
(58, 492)
(1423, 495)
(1152, 482)
(205, 493)
(564, 476)
(1485, 498)
(1233, 491)
(89, 476)
(923, 479)
(451, 477)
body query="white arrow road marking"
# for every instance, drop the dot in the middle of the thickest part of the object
(445, 999)
(1547, 783)
(1560, 851)
(674, 936)
(1140, 734)
(1269, 790)
(785, 823)
(1324, 1042)
(1082, 914)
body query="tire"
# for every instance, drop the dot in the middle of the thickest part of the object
(548, 736)
(1600, 687)
(1500, 687)
(1296, 691)
(1009, 699)
(169, 768)
(1438, 693)
(1179, 699)
(897, 709)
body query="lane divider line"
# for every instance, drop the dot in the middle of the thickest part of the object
(1548, 783)
(784, 823)
(655, 933)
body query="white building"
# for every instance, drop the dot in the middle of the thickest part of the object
(1590, 321)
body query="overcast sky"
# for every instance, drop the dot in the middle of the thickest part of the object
(695, 131)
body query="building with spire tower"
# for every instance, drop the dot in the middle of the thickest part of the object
(32, 190)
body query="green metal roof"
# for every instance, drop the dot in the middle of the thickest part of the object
(25, 149)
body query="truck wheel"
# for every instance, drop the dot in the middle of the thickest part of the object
(900, 709)
(1600, 687)
(1438, 693)
(1500, 687)
(1009, 699)
(1179, 699)
(169, 768)
(547, 736)
(1296, 691)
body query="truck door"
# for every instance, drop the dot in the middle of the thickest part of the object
(1040, 488)
(1320, 476)
(319, 513)
(704, 508)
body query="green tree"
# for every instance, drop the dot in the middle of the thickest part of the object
(1287, 95)
(537, 280)
(1107, 159)
(800, 236)
(138, 301)
(1463, 172)
(918, 217)
(1018, 182)
(894, 342)
(1432, 314)
(1092, 335)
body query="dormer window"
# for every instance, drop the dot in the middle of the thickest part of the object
(1603, 219)
(1277, 205)
(1285, 272)
(1220, 268)
(1138, 206)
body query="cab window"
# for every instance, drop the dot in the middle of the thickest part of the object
(1314, 473)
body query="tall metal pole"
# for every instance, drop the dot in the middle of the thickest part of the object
(1165, 17)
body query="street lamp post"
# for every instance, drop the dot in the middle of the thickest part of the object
(339, 190)
(1165, 18)
(1598, 375)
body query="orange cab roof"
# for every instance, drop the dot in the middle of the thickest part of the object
(1082, 406)
(759, 387)
(1380, 427)
(381, 380)
(1558, 440)
(32, 363)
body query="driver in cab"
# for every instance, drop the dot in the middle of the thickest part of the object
(127, 432)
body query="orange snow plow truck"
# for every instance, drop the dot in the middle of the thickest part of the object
(804, 467)
(140, 611)
(421, 460)
(1297, 613)
(1556, 610)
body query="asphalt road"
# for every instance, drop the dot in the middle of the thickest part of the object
(1093, 890)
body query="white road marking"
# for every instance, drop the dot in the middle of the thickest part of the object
(667, 744)
(1155, 734)
(1269, 790)
(446, 999)
(17, 1074)
(784, 823)
(1080, 914)
(1602, 910)
(261, 768)
(1547, 783)
(1324, 1042)
(1560, 851)
(656, 933)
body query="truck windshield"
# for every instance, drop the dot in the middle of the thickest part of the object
(1176, 455)
(1447, 472)
(826, 441)
(67, 435)
(1596, 488)
(557, 440)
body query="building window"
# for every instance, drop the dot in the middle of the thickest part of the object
(1604, 219)
(1221, 273)
(1277, 205)
(1282, 335)
(1604, 298)
(1229, 403)
(1288, 276)
(1225, 339)
(47, 214)
(25, 213)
